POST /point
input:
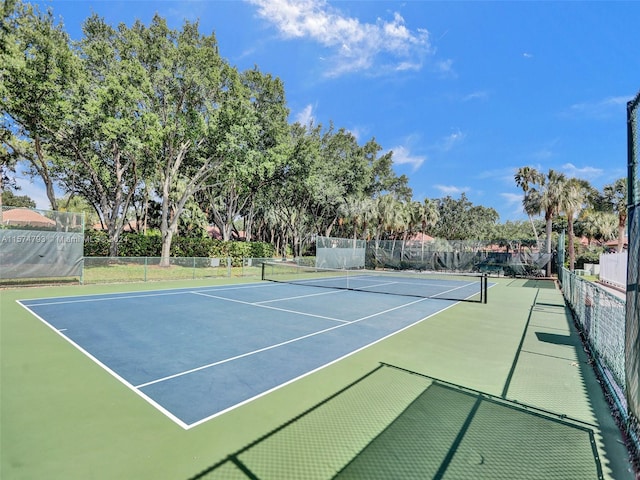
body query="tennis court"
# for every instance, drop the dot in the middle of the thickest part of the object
(205, 379)
(196, 353)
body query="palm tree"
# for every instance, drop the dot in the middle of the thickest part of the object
(430, 214)
(525, 177)
(356, 210)
(542, 194)
(386, 206)
(615, 195)
(597, 225)
(572, 200)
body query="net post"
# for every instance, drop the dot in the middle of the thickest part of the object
(262, 270)
(484, 289)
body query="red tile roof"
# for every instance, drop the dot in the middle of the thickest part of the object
(25, 217)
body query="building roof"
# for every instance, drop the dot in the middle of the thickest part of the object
(25, 217)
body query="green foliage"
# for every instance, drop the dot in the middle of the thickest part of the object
(96, 243)
(150, 245)
(591, 255)
(262, 250)
(460, 220)
(137, 245)
(11, 200)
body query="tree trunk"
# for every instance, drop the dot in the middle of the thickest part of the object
(166, 248)
(549, 225)
(622, 221)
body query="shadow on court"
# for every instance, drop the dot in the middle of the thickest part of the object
(543, 283)
(393, 423)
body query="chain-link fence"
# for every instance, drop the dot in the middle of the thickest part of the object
(148, 269)
(511, 258)
(633, 265)
(601, 318)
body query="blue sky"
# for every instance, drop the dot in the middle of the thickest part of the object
(464, 93)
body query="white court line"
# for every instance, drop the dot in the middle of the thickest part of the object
(172, 291)
(103, 299)
(270, 307)
(123, 296)
(299, 296)
(271, 347)
(457, 288)
(110, 371)
(317, 369)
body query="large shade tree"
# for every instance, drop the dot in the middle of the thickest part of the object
(37, 69)
(189, 85)
(103, 147)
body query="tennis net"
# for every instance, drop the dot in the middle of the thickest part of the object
(446, 286)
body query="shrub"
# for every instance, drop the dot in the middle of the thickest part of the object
(96, 244)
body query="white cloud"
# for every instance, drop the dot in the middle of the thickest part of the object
(358, 132)
(512, 198)
(402, 156)
(542, 154)
(586, 173)
(599, 109)
(445, 68)
(451, 189)
(305, 117)
(355, 46)
(452, 140)
(503, 175)
(481, 95)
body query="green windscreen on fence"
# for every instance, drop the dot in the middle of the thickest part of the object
(340, 252)
(40, 243)
(433, 254)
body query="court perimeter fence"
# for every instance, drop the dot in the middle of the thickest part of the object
(601, 319)
(148, 269)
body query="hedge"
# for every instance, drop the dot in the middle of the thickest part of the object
(96, 244)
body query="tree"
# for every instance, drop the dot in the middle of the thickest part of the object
(525, 177)
(461, 220)
(103, 149)
(517, 234)
(357, 211)
(543, 193)
(615, 196)
(253, 117)
(597, 225)
(188, 82)
(37, 68)
(389, 216)
(571, 201)
(11, 200)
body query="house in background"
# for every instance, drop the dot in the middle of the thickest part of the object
(24, 217)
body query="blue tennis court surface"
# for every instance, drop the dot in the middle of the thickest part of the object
(196, 353)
